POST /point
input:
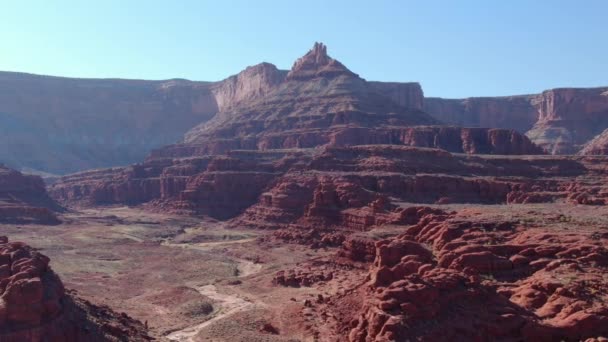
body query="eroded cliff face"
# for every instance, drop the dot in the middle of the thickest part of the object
(35, 307)
(23, 199)
(569, 118)
(560, 121)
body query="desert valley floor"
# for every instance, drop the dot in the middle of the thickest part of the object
(205, 280)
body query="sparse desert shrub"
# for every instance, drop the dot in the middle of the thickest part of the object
(196, 308)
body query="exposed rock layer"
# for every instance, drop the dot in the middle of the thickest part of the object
(276, 187)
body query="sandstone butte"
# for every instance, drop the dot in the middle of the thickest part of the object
(61, 125)
(34, 306)
(319, 157)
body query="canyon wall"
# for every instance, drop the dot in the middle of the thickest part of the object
(559, 120)
(61, 125)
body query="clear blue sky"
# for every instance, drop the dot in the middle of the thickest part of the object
(454, 48)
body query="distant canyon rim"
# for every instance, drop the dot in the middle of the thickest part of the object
(55, 125)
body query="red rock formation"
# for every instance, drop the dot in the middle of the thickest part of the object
(35, 307)
(321, 102)
(448, 269)
(23, 199)
(597, 146)
(301, 277)
(316, 63)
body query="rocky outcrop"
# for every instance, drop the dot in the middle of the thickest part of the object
(560, 121)
(34, 305)
(23, 199)
(597, 146)
(448, 269)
